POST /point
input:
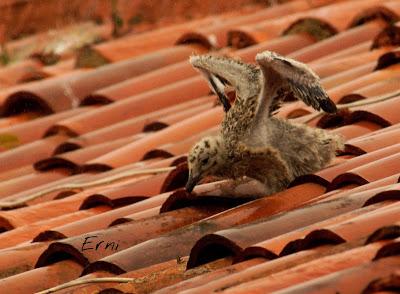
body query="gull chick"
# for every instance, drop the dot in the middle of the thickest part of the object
(252, 142)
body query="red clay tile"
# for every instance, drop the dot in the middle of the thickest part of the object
(72, 161)
(341, 41)
(315, 215)
(315, 235)
(28, 232)
(62, 188)
(174, 118)
(287, 270)
(38, 95)
(377, 89)
(217, 35)
(388, 10)
(136, 150)
(348, 75)
(164, 276)
(24, 71)
(15, 260)
(354, 279)
(283, 45)
(310, 270)
(37, 150)
(359, 48)
(183, 239)
(374, 142)
(71, 89)
(182, 146)
(134, 106)
(331, 172)
(209, 277)
(388, 37)
(14, 173)
(391, 73)
(35, 129)
(161, 161)
(121, 237)
(158, 276)
(125, 127)
(180, 199)
(365, 224)
(145, 82)
(336, 19)
(380, 131)
(357, 129)
(338, 65)
(16, 119)
(369, 172)
(49, 276)
(153, 120)
(147, 213)
(138, 44)
(29, 181)
(382, 113)
(89, 287)
(350, 188)
(60, 68)
(100, 221)
(24, 216)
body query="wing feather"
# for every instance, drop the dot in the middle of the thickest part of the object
(296, 77)
(218, 88)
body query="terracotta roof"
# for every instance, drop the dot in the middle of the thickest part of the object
(93, 161)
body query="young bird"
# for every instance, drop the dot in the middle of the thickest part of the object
(252, 142)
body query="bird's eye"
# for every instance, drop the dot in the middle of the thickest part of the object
(204, 161)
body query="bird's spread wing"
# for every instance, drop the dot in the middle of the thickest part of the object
(244, 78)
(221, 71)
(290, 75)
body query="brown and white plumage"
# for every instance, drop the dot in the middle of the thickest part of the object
(252, 142)
(290, 75)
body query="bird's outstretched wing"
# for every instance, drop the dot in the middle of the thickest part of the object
(290, 75)
(220, 71)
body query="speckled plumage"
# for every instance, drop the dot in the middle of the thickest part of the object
(252, 142)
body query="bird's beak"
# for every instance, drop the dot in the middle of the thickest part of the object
(192, 182)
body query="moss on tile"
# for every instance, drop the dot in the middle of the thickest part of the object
(9, 141)
(15, 270)
(87, 57)
(4, 55)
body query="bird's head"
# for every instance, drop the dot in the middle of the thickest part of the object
(205, 158)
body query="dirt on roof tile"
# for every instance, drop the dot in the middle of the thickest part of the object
(299, 274)
(50, 276)
(37, 150)
(319, 215)
(100, 221)
(16, 260)
(353, 279)
(28, 232)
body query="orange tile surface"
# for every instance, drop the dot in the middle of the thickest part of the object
(93, 161)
